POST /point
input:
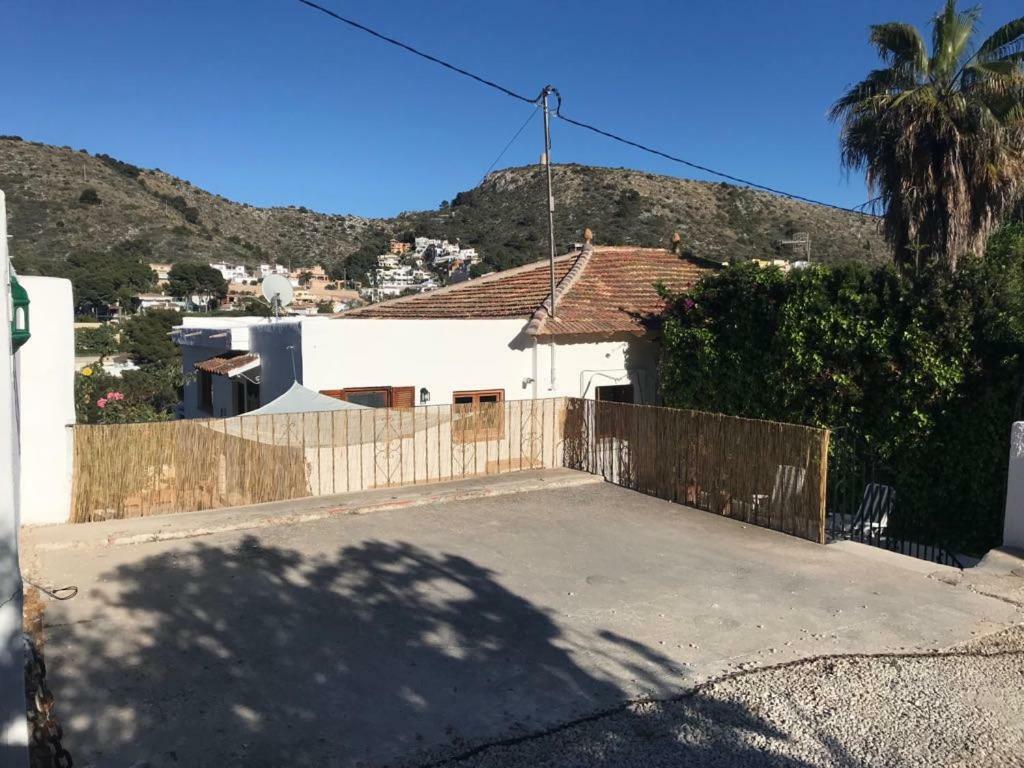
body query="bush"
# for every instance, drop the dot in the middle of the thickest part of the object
(89, 196)
(925, 372)
(100, 341)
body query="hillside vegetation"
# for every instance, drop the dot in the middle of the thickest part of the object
(61, 201)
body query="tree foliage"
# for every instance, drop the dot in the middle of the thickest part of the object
(925, 372)
(197, 282)
(106, 278)
(940, 134)
(147, 337)
(100, 341)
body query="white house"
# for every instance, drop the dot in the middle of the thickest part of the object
(219, 379)
(486, 340)
(232, 273)
(160, 301)
(273, 269)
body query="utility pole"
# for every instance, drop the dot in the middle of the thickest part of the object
(548, 90)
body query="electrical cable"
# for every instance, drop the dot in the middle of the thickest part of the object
(511, 141)
(858, 210)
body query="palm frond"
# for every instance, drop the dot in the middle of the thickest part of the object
(997, 67)
(879, 82)
(951, 35)
(1002, 37)
(900, 45)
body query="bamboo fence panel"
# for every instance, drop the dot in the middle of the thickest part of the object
(763, 473)
(132, 470)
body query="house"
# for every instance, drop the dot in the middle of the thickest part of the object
(159, 301)
(484, 340)
(232, 273)
(273, 269)
(219, 380)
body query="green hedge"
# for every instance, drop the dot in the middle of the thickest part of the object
(924, 372)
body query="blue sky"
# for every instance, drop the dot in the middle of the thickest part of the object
(271, 103)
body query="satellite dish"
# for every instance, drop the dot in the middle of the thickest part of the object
(278, 291)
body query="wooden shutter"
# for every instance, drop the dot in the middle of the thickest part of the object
(403, 397)
(337, 394)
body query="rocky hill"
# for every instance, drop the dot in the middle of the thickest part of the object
(61, 200)
(505, 218)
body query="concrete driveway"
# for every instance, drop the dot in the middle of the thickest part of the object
(414, 633)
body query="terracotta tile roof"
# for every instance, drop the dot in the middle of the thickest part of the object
(512, 293)
(601, 290)
(228, 363)
(614, 290)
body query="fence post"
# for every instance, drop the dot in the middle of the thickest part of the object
(823, 486)
(1013, 522)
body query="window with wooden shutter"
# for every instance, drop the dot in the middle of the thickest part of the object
(478, 415)
(403, 397)
(375, 397)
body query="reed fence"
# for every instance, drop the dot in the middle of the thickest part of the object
(761, 472)
(764, 473)
(132, 470)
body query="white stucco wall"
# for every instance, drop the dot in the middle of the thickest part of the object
(451, 355)
(1013, 523)
(444, 356)
(13, 725)
(45, 373)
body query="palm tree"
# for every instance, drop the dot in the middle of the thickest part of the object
(940, 136)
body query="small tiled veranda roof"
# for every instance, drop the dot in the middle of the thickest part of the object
(599, 290)
(229, 363)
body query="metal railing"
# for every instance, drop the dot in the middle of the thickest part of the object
(864, 505)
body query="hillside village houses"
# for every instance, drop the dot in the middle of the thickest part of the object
(407, 269)
(486, 340)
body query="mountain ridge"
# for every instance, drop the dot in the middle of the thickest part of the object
(61, 200)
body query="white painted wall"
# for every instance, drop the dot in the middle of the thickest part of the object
(446, 356)
(45, 375)
(1013, 522)
(13, 724)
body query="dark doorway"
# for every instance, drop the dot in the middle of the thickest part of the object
(615, 393)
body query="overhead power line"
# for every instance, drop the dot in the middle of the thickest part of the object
(421, 54)
(579, 123)
(512, 140)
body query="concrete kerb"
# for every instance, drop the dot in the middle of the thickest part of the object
(192, 524)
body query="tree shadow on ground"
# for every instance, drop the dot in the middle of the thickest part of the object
(259, 655)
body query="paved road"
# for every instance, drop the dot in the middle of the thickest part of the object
(420, 631)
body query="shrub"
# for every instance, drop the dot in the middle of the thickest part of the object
(925, 372)
(89, 196)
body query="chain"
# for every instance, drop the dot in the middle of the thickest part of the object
(45, 746)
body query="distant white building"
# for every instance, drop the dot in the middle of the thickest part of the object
(273, 269)
(394, 281)
(160, 301)
(233, 273)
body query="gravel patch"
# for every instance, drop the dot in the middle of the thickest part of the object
(961, 707)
